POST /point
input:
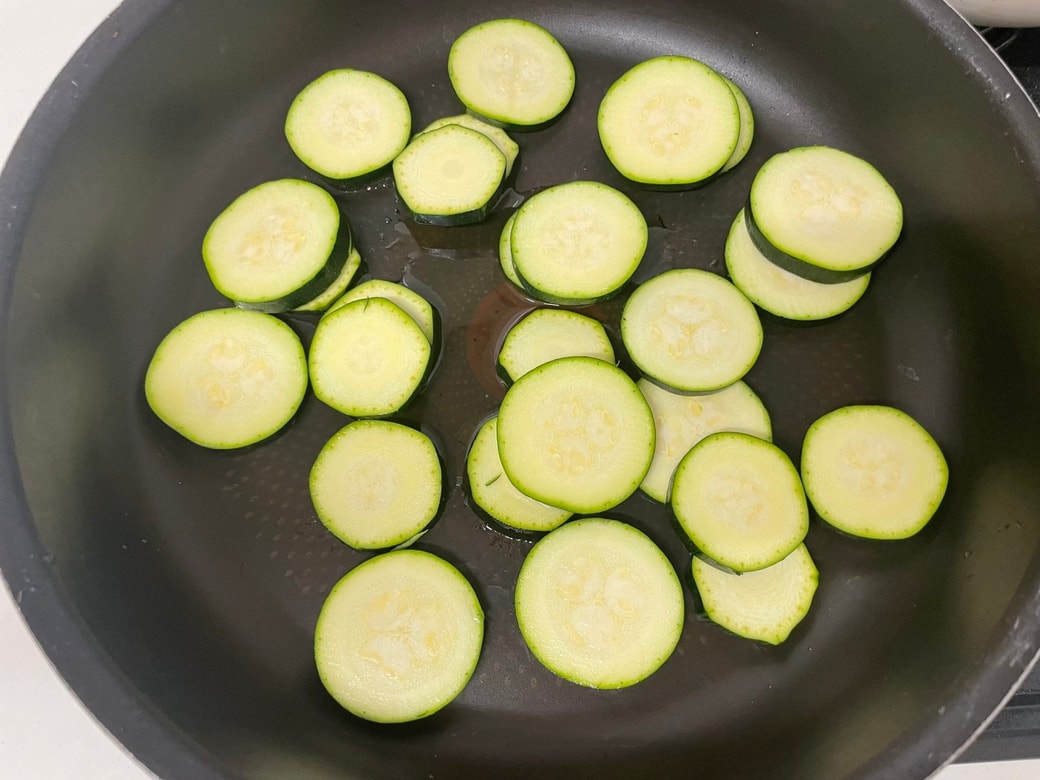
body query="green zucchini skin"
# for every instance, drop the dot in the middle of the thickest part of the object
(813, 273)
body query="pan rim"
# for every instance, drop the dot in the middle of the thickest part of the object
(157, 743)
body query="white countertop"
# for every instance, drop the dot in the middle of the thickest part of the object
(45, 733)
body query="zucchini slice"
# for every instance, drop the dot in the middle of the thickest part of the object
(376, 484)
(505, 252)
(740, 501)
(781, 292)
(510, 149)
(368, 358)
(338, 287)
(398, 637)
(512, 73)
(873, 471)
(669, 121)
(576, 433)
(683, 420)
(548, 334)
(823, 213)
(449, 176)
(747, 127)
(691, 330)
(599, 604)
(765, 605)
(277, 246)
(492, 491)
(348, 123)
(577, 243)
(226, 378)
(409, 301)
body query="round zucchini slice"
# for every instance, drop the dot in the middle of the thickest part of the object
(669, 121)
(577, 243)
(493, 492)
(398, 637)
(765, 605)
(873, 471)
(277, 246)
(548, 334)
(781, 292)
(376, 484)
(348, 123)
(338, 287)
(226, 378)
(823, 213)
(683, 420)
(599, 604)
(576, 433)
(510, 149)
(409, 301)
(691, 330)
(747, 127)
(740, 501)
(512, 73)
(368, 358)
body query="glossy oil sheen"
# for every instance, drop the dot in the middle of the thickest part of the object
(177, 588)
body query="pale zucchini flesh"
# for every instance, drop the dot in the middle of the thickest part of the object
(669, 121)
(739, 500)
(510, 149)
(873, 471)
(277, 245)
(823, 213)
(348, 123)
(368, 358)
(449, 176)
(682, 420)
(398, 637)
(599, 604)
(409, 301)
(691, 330)
(576, 433)
(548, 334)
(226, 378)
(781, 292)
(577, 242)
(494, 493)
(376, 484)
(511, 72)
(764, 605)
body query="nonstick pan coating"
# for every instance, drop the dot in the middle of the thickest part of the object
(177, 588)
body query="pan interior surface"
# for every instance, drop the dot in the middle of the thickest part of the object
(193, 578)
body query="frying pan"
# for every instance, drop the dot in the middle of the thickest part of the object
(176, 588)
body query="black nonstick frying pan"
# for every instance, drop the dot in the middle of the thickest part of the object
(176, 588)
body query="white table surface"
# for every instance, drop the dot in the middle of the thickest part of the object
(45, 733)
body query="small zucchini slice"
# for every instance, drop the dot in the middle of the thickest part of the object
(577, 243)
(368, 358)
(376, 484)
(823, 213)
(873, 471)
(449, 176)
(510, 149)
(398, 637)
(740, 501)
(747, 127)
(691, 330)
(277, 246)
(683, 420)
(576, 433)
(226, 378)
(765, 605)
(599, 604)
(511, 73)
(781, 292)
(338, 287)
(409, 301)
(669, 121)
(548, 334)
(505, 252)
(348, 124)
(492, 491)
